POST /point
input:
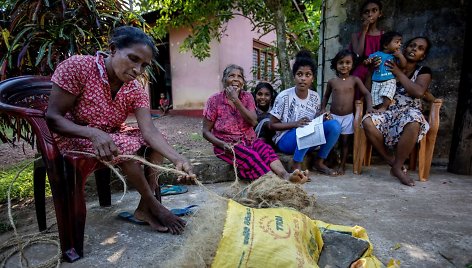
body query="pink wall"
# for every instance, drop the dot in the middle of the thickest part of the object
(193, 81)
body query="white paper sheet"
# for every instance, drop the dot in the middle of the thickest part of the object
(312, 134)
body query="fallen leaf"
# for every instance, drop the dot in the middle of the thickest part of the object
(397, 246)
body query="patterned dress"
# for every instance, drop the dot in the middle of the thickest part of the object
(86, 78)
(403, 110)
(229, 125)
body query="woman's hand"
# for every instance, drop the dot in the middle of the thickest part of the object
(185, 166)
(231, 93)
(302, 122)
(393, 67)
(370, 110)
(228, 148)
(327, 116)
(373, 62)
(365, 25)
(103, 144)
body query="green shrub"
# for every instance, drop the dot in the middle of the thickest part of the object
(23, 186)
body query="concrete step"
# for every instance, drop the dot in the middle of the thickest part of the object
(211, 169)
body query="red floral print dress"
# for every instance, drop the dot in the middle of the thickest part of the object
(86, 78)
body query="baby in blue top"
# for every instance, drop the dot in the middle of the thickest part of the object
(383, 80)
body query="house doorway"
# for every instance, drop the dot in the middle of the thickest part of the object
(163, 79)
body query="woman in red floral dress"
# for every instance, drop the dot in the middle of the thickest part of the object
(228, 120)
(90, 101)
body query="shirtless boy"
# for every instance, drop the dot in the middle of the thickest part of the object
(342, 89)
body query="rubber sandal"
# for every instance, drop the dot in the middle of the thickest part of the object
(328, 172)
(173, 189)
(129, 217)
(184, 211)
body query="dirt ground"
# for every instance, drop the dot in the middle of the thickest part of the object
(10, 155)
(182, 132)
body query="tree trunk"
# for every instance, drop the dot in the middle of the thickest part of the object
(276, 6)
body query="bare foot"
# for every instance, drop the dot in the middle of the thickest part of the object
(322, 168)
(165, 217)
(404, 169)
(298, 176)
(154, 223)
(306, 172)
(391, 161)
(341, 170)
(404, 178)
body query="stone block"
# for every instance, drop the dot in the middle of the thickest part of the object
(340, 250)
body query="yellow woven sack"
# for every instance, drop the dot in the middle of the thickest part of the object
(269, 237)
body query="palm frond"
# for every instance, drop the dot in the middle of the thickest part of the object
(42, 51)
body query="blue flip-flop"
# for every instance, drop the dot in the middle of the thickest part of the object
(173, 189)
(125, 215)
(184, 211)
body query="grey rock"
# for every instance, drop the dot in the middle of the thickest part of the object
(340, 249)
